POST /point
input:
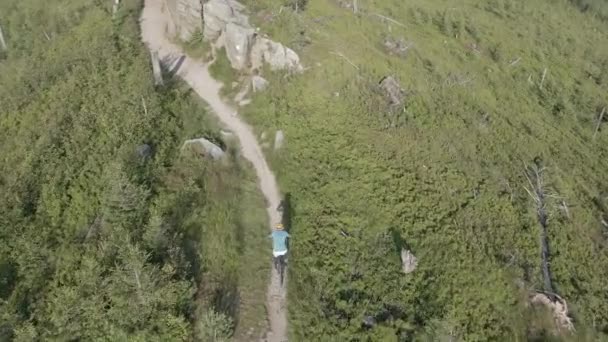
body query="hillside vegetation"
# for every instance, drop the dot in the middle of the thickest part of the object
(107, 231)
(490, 88)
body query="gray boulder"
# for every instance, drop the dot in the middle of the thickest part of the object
(258, 83)
(144, 151)
(275, 54)
(392, 90)
(409, 262)
(279, 137)
(207, 146)
(397, 47)
(238, 44)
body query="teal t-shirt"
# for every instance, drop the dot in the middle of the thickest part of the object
(279, 240)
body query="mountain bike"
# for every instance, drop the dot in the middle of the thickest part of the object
(279, 265)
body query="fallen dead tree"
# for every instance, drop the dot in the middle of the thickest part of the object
(557, 305)
(538, 192)
(2, 41)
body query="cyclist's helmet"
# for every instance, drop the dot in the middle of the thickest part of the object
(278, 226)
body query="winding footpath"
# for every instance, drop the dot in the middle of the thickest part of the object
(154, 22)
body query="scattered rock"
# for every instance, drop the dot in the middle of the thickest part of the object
(263, 136)
(240, 96)
(398, 47)
(279, 137)
(258, 83)
(208, 147)
(144, 151)
(408, 261)
(275, 54)
(368, 322)
(348, 4)
(393, 91)
(244, 102)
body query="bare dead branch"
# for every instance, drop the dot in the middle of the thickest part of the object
(543, 78)
(143, 102)
(339, 54)
(599, 121)
(564, 207)
(115, 7)
(389, 19)
(158, 77)
(2, 41)
(515, 62)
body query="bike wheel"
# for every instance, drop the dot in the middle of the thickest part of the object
(282, 268)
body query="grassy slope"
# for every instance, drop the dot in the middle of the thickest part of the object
(74, 108)
(443, 174)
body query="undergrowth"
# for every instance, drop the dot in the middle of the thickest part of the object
(489, 87)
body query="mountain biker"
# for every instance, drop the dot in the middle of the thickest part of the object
(279, 244)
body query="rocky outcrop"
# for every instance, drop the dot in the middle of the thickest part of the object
(225, 25)
(186, 16)
(238, 40)
(218, 13)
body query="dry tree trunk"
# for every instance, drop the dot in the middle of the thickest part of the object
(115, 7)
(548, 297)
(599, 119)
(537, 191)
(2, 41)
(158, 77)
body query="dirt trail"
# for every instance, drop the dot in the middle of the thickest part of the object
(154, 23)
